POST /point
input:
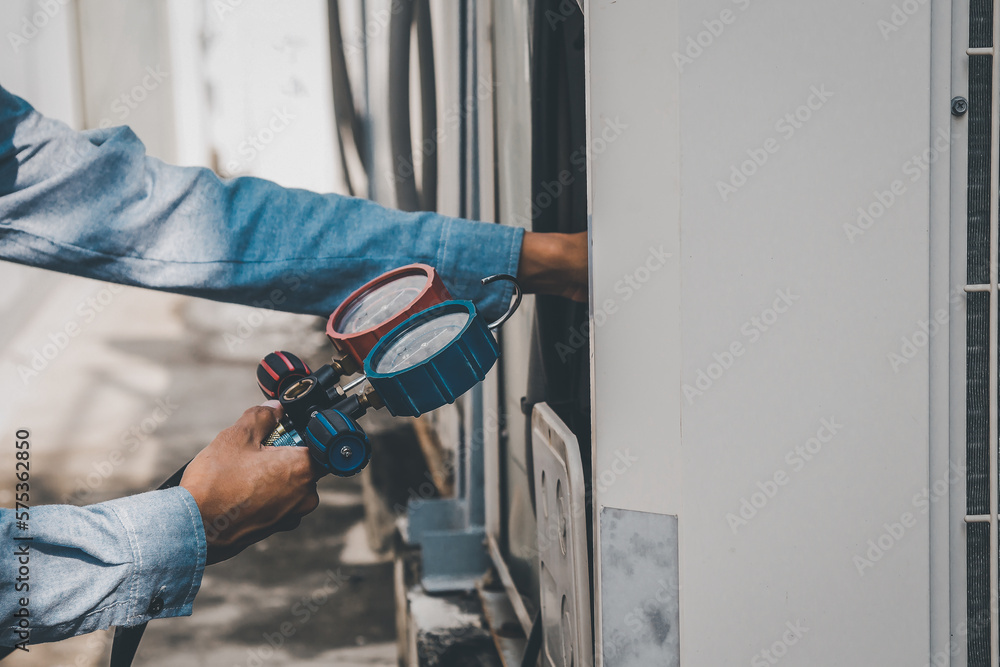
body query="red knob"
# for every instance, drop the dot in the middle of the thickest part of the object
(279, 370)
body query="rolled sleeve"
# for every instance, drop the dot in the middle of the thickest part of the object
(471, 251)
(94, 204)
(121, 562)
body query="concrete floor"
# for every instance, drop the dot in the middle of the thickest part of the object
(137, 350)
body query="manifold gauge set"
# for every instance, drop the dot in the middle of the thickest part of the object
(415, 347)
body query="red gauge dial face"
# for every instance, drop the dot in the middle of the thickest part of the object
(379, 305)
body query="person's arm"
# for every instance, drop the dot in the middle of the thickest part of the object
(130, 560)
(94, 204)
(87, 568)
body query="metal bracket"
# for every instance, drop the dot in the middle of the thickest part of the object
(564, 568)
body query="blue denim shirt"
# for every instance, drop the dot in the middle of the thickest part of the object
(85, 568)
(94, 204)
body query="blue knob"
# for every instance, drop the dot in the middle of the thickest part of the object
(337, 443)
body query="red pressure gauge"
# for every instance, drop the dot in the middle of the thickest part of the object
(378, 306)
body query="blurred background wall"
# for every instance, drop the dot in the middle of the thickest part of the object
(243, 87)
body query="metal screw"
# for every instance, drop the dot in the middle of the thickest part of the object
(345, 451)
(959, 105)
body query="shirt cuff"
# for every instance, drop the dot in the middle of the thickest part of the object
(470, 251)
(162, 526)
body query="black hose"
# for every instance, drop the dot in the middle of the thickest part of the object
(428, 107)
(400, 137)
(350, 132)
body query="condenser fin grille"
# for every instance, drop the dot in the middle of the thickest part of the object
(981, 352)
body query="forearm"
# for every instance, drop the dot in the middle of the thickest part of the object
(92, 567)
(94, 204)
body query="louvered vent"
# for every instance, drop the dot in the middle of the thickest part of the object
(981, 355)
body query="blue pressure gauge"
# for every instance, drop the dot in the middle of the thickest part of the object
(435, 356)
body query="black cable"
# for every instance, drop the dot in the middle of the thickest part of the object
(400, 136)
(533, 647)
(350, 133)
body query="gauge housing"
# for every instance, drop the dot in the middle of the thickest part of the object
(444, 375)
(355, 345)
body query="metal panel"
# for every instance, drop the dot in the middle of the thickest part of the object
(639, 552)
(634, 193)
(949, 638)
(563, 565)
(777, 326)
(512, 98)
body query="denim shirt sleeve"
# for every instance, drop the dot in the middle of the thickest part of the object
(94, 204)
(92, 567)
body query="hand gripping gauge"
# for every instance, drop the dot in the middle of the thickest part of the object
(422, 361)
(429, 359)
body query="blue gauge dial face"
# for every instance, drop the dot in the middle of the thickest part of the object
(421, 342)
(381, 304)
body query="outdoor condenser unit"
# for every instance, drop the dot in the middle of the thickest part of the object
(792, 333)
(795, 415)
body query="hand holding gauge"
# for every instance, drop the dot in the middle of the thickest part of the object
(419, 349)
